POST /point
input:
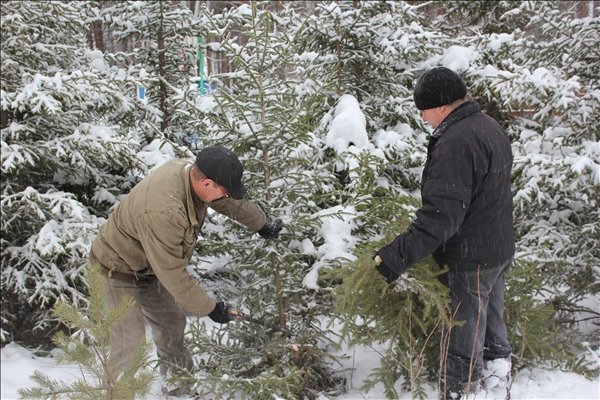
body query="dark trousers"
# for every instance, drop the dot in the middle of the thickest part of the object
(477, 295)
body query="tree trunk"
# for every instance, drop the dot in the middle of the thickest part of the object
(162, 72)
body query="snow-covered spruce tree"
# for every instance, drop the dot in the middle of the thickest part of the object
(376, 145)
(370, 51)
(65, 158)
(342, 142)
(164, 35)
(260, 112)
(557, 157)
(91, 351)
(487, 17)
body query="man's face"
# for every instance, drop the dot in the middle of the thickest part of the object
(433, 116)
(205, 188)
(210, 190)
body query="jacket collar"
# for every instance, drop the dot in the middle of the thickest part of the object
(464, 110)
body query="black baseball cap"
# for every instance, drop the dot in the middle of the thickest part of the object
(222, 166)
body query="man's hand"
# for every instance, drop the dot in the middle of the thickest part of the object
(389, 274)
(221, 313)
(271, 228)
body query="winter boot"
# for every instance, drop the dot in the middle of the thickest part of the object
(495, 379)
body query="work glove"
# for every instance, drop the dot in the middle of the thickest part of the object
(221, 313)
(271, 228)
(389, 274)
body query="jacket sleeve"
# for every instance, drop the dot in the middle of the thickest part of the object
(162, 238)
(243, 211)
(437, 221)
(446, 195)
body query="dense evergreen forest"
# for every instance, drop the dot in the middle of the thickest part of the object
(316, 99)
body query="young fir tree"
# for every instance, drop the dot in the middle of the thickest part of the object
(351, 198)
(281, 350)
(375, 143)
(373, 56)
(403, 321)
(557, 158)
(90, 349)
(66, 155)
(370, 50)
(163, 36)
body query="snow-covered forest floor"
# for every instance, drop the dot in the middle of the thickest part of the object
(18, 363)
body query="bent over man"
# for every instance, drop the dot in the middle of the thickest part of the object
(148, 240)
(465, 221)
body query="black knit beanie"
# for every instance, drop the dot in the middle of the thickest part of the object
(437, 87)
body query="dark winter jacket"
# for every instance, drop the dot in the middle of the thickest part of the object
(466, 213)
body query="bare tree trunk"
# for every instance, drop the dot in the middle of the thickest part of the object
(3, 119)
(162, 72)
(97, 34)
(281, 302)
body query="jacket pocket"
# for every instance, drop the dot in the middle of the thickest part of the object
(437, 187)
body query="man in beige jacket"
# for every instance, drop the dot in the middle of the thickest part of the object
(148, 240)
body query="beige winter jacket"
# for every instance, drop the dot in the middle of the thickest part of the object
(153, 231)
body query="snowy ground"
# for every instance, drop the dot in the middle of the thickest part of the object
(18, 363)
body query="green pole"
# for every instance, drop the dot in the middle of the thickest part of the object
(201, 87)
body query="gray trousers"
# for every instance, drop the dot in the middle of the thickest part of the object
(154, 306)
(477, 296)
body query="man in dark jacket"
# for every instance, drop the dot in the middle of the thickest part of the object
(465, 221)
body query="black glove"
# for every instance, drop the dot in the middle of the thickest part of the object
(389, 274)
(271, 228)
(221, 313)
